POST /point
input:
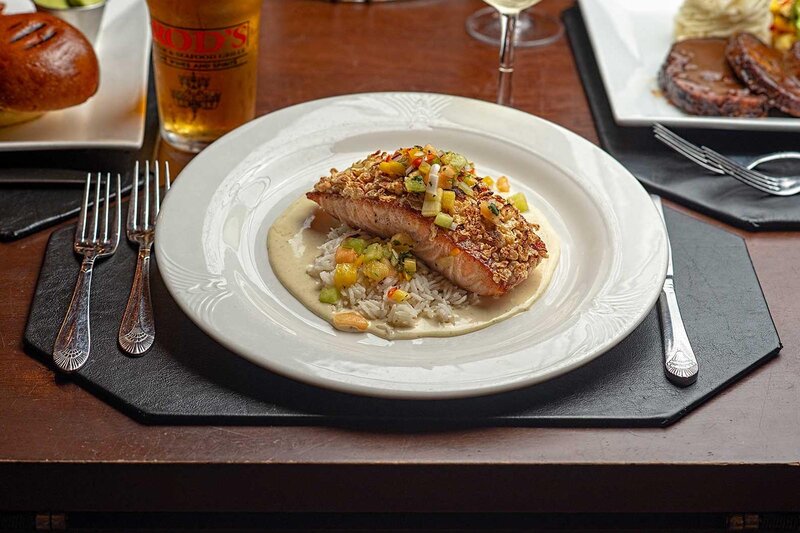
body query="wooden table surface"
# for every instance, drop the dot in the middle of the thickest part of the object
(63, 449)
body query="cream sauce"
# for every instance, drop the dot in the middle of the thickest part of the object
(292, 246)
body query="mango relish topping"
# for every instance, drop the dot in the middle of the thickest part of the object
(370, 260)
(441, 177)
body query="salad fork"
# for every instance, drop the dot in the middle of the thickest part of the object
(768, 184)
(137, 331)
(73, 343)
(696, 154)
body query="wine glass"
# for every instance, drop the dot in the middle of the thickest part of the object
(534, 28)
(511, 28)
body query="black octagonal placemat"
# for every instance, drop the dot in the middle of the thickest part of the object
(188, 378)
(665, 172)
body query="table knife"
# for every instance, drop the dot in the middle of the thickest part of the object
(41, 176)
(680, 363)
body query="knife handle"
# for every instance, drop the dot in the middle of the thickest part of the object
(680, 364)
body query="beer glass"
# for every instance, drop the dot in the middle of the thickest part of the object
(205, 58)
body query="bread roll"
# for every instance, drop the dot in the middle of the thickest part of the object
(45, 64)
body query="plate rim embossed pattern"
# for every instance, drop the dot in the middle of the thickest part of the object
(210, 250)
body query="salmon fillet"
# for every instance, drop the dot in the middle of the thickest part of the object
(487, 257)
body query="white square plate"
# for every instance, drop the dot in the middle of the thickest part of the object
(631, 39)
(115, 116)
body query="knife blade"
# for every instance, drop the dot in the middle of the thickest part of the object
(41, 176)
(680, 363)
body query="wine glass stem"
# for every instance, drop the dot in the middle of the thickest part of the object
(508, 27)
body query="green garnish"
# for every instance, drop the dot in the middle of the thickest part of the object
(457, 161)
(329, 295)
(66, 4)
(466, 189)
(493, 209)
(443, 220)
(519, 201)
(355, 243)
(373, 252)
(415, 183)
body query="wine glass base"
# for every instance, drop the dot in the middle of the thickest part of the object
(533, 29)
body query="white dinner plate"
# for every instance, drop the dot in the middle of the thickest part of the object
(114, 117)
(211, 245)
(631, 39)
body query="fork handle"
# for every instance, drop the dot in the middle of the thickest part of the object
(137, 332)
(680, 363)
(71, 350)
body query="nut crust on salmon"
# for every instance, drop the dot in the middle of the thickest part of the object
(487, 257)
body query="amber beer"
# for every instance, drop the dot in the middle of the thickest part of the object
(205, 58)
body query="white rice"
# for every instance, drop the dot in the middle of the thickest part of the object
(430, 295)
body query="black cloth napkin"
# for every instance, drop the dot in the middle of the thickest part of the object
(30, 208)
(188, 378)
(669, 174)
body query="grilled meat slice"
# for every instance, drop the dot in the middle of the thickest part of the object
(697, 79)
(767, 71)
(485, 257)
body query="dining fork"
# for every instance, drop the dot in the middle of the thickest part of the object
(696, 154)
(137, 331)
(680, 363)
(767, 184)
(73, 342)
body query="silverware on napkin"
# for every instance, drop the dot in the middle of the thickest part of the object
(137, 331)
(95, 237)
(680, 363)
(719, 164)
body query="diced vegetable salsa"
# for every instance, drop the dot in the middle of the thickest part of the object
(370, 260)
(444, 178)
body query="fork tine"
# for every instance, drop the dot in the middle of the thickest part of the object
(156, 193)
(702, 154)
(117, 223)
(683, 143)
(146, 215)
(684, 147)
(752, 174)
(166, 167)
(744, 178)
(96, 210)
(738, 171)
(80, 229)
(105, 207)
(676, 145)
(133, 205)
(664, 134)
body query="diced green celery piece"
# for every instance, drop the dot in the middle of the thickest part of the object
(329, 295)
(373, 252)
(443, 220)
(355, 243)
(432, 205)
(455, 160)
(466, 188)
(519, 201)
(415, 184)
